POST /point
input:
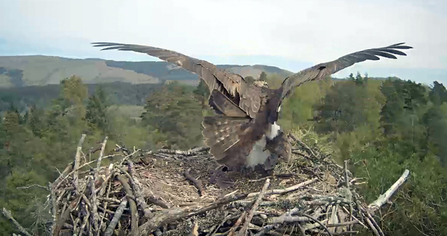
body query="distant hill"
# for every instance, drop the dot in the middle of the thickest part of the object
(118, 93)
(168, 72)
(20, 71)
(17, 71)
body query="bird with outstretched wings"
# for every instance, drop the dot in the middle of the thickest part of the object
(245, 132)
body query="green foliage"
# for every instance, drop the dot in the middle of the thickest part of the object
(37, 143)
(97, 108)
(263, 76)
(381, 126)
(419, 205)
(175, 116)
(438, 94)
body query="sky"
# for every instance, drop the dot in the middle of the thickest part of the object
(289, 34)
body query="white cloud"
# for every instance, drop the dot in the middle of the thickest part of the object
(306, 30)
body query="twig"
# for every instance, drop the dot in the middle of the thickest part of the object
(95, 215)
(105, 207)
(195, 181)
(243, 231)
(195, 229)
(286, 190)
(307, 148)
(317, 221)
(101, 154)
(387, 195)
(8, 215)
(138, 193)
(133, 206)
(116, 218)
(54, 206)
(171, 215)
(190, 152)
(346, 173)
(77, 163)
(61, 179)
(238, 222)
(34, 185)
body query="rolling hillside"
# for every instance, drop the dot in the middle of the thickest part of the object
(17, 71)
(20, 71)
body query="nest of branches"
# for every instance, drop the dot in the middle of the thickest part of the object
(169, 192)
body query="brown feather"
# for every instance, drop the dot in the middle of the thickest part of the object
(322, 70)
(229, 138)
(222, 104)
(226, 82)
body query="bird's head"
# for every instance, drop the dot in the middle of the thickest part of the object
(261, 83)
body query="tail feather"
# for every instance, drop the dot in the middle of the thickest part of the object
(223, 136)
(221, 132)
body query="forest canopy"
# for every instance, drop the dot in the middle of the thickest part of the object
(381, 126)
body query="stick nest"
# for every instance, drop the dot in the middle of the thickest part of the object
(169, 192)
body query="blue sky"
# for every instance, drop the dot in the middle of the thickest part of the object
(285, 33)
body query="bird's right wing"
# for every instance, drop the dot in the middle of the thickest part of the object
(230, 84)
(322, 70)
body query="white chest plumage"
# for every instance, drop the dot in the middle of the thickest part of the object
(259, 153)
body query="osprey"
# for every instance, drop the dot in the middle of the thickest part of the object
(245, 132)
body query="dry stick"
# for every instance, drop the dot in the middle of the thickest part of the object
(174, 214)
(317, 221)
(77, 162)
(372, 227)
(153, 199)
(374, 223)
(347, 186)
(243, 231)
(62, 176)
(335, 234)
(8, 215)
(101, 154)
(308, 149)
(54, 205)
(196, 182)
(133, 205)
(80, 167)
(94, 208)
(286, 190)
(238, 222)
(84, 224)
(387, 195)
(92, 186)
(105, 208)
(190, 152)
(116, 218)
(138, 193)
(195, 229)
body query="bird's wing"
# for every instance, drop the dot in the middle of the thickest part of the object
(322, 70)
(230, 84)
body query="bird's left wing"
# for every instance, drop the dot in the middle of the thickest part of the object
(230, 84)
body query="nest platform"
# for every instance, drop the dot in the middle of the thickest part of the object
(171, 192)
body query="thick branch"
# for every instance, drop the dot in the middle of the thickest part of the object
(77, 162)
(133, 205)
(116, 218)
(387, 195)
(8, 215)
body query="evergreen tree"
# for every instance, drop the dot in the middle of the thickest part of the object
(263, 76)
(97, 109)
